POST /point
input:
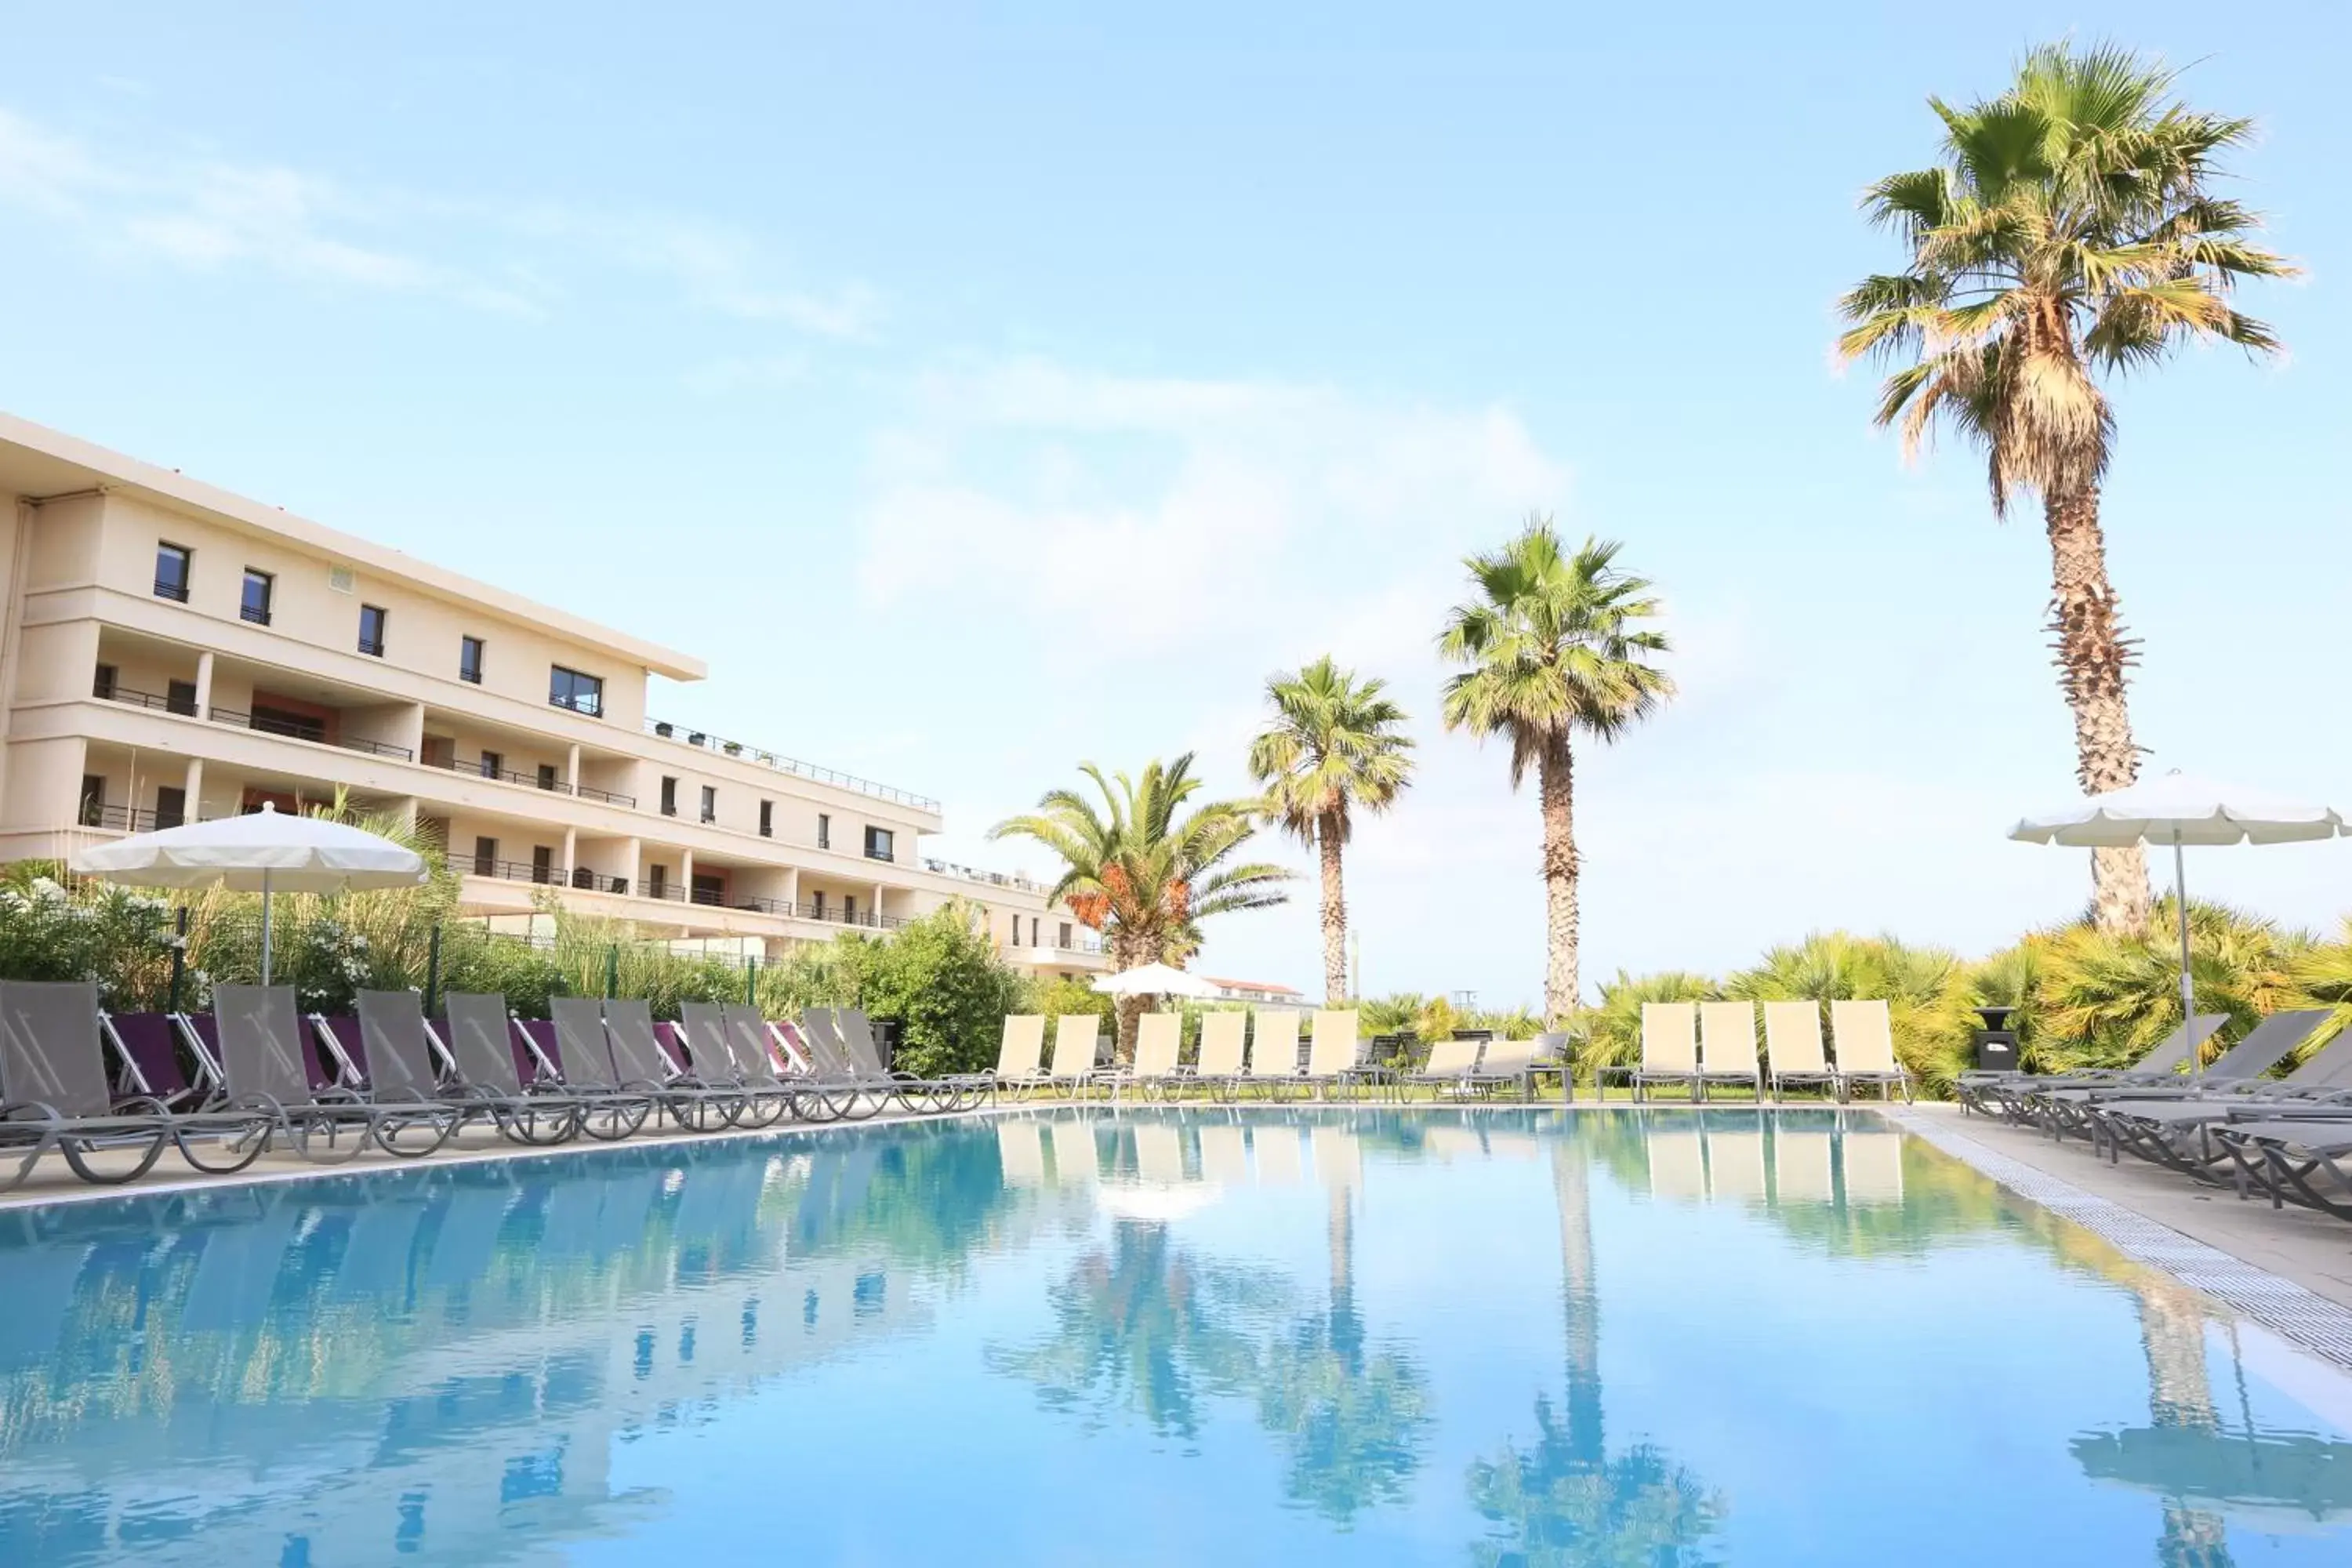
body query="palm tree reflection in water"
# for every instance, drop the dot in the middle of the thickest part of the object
(1565, 1500)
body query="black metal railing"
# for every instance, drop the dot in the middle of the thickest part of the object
(883, 855)
(259, 616)
(167, 589)
(310, 730)
(186, 705)
(532, 781)
(663, 729)
(371, 646)
(971, 874)
(610, 797)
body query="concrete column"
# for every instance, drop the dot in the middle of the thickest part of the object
(571, 853)
(877, 905)
(205, 683)
(685, 873)
(793, 889)
(572, 771)
(195, 789)
(632, 865)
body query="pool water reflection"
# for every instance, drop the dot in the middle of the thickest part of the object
(1496, 1338)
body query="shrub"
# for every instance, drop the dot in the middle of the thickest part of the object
(939, 979)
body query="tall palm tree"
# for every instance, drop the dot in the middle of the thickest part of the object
(1144, 870)
(2069, 228)
(1558, 644)
(1334, 744)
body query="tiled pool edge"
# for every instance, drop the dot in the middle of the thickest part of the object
(2309, 1321)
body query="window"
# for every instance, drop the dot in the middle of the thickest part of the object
(709, 803)
(824, 832)
(710, 890)
(493, 764)
(1066, 936)
(171, 805)
(669, 797)
(542, 863)
(849, 909)
(877, 844)
(1033, 931)
(816, 904)
(173, 564)
(179, 697)
(372, 623)
(656, 879)
(486, 857)
(103, 687)
(255, 605)
(93, 800)
(547, 775)
(767, 819)
(469, 661)
(581, 693)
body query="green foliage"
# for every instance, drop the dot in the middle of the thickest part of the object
(940, 981)
(1333, 744)
(1609, 1034)
(48, 932)
(1053, 996)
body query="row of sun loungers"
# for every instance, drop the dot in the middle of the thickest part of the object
(1235, 1059)
(2288, 1138)
(110, 1094)
(1702, 1046)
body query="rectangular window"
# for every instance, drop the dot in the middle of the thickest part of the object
(171, 805)
(542, 863)
(767, 819)
(816, 904)
(93, 800)
(877, 844)
(1033, 931)
(255, 607)
(656, 879)
(709, 803)
(493, 764)
(371, 624)
(172, 566)
(469, 661)
(849, 909)
(824, 831)
(179, 697)
(1066, 935)
(547, 775)
(486, 857)
(581, 693)
(103, 687)
(285, 722)
(710, 890)
(669, 797)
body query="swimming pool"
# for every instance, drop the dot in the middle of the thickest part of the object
(1495, 1338)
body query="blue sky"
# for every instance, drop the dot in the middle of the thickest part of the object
(981, 395)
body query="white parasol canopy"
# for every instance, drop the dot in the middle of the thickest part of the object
(1156, 980)
(2181, 809)
(264, 852)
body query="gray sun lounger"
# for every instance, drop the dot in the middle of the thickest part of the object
(2267, 1045)
(724, 1060)
(2009, 1092)
(638, 1060)
(55, 1096)
(473, 1073)
(267, 1080)
(618, 1103)
(2173, 1130)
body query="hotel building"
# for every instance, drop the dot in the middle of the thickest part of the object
(170, 652)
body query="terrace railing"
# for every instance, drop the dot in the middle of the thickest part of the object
(314, 734)
(702, 740)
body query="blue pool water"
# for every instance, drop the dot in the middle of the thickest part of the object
(1496, 1338)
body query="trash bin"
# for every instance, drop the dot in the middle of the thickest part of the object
(1996, 1042)
(886, 1041)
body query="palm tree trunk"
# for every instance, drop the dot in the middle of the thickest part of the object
(1126, 953)
(2094, 657)
(1556, 784)
(1335, 918)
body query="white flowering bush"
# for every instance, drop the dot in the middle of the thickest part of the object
(115, 936)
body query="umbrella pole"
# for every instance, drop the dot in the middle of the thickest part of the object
(265, 928)
(2188, 989)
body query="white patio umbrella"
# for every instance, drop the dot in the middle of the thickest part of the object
(2181, 809)
(266, 852)
(1156, 980)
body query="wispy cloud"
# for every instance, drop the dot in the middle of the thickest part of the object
(210, 214)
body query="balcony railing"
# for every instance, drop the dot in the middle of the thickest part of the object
(702, 740)
(580, 877)
(186, 705)
(167, 589)
(610, 797)
(993, 879)
(531, 780)
(128, 818)
(296, 730)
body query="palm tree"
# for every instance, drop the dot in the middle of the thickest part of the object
(1557, 644)
(1143, 870)
(2069, 228)
(1334, 744)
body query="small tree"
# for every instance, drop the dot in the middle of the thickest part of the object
(939, 979)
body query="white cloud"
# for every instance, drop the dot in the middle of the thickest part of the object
(207, 213)
(1138, 512)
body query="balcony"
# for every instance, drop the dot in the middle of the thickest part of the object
(128, 818)
(479, 768)
(661, 729)
(579, 877)
(167, 589)
(829, 913)
(185, 705)
(310, 730)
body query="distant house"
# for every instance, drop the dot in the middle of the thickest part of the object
(1253, 991)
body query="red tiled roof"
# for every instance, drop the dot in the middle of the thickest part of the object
(1250, 985)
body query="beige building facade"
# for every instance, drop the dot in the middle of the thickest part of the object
(170, 652)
